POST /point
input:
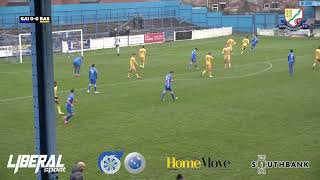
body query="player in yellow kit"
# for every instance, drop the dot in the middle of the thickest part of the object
(209, 61)
(245, 43)
(231, 42)
(227, 56)
(133, 64)
(317, 60)
(56, 98)
(142, 55)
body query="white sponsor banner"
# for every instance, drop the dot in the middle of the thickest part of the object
(265, 32)
(6, 51)
(97, 43)
(316, 32)
(109, 42)
(123, 41)
(209, 33)
(136, 40)
(283, 32)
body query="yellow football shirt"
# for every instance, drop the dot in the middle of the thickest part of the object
(133, 61)
(142, 52)
(318, 54)
(245, 42)
(209, 59)
(231, 42)
(226, 51)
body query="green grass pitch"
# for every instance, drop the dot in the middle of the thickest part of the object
(253, 108)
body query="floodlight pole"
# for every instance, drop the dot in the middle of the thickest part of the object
(42, 83)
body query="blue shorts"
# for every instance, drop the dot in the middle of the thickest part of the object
(290, 63)
(253, 45)
(193, 60)
(168, 88)
(69, 109)
(93, 81)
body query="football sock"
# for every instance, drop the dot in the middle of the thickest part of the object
(173, 96)
(68, 117)
(95, 87)
(59, 109)
(162, 95)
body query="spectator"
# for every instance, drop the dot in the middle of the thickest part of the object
(140, 21)
(116, 32)
(127, 30)
(77, 171)
(311, 30)
(135, 19)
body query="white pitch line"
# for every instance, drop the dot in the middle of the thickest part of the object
(150, 79)
(238, 76)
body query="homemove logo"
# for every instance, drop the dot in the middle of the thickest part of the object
(51, 164)
(194, 163)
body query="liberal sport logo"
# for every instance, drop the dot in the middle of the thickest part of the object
(293, 20)
(50, 164)
(109, 162)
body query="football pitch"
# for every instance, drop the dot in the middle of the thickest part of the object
(253, 108)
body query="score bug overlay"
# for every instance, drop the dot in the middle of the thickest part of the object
(35, 19)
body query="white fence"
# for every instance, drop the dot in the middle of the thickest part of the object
(202, 34)
(282, 32)
(209, 33)
(132, 40)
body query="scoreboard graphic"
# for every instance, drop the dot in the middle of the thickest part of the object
(35, 19)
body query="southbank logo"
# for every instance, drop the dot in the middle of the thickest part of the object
(293, 20)
(261, 164)
(193, 163)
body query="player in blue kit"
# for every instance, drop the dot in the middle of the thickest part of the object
(291, 61)
(254, 42)
(168, 87)
(69, 107)
(93, 76)
(77, 62)
(194, 59)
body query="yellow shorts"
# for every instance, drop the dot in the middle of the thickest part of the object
(244, 46)
(209, 67)
(143, 59)
(132, 68)
(227, 58)
(318, 60)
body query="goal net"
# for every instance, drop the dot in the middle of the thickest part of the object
(69, 43)
(9, 45)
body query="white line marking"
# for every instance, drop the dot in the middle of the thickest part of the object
(238, 76)
(150, 79)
